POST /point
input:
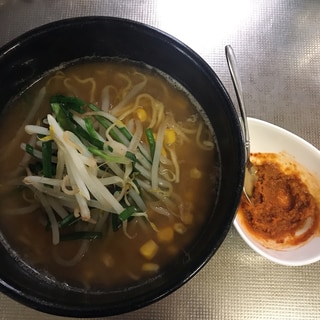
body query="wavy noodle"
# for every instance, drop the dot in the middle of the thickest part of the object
(168, 174)
(59, 75)
(93, 86)
(157, 108)
(128, 84)
(134, 90)
(177, 127)
(70, 87)
(174, 158)
(206, 144)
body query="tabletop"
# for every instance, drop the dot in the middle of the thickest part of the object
(277, 43)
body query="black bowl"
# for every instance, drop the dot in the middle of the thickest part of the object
(31, 55)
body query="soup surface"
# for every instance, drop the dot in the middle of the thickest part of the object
(129, 179)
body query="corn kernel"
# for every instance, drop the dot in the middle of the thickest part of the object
(169, 137)
(180, 228)
(150, 267)
(165, 235)
(195, 173)
(141, 114)
(149, 249)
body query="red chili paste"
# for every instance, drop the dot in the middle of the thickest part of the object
(282, 210)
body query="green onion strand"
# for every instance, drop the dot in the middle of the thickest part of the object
(127, 213)
(46, 159)
(151, 141)
(81, 235)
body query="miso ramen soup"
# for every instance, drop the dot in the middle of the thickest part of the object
(108, 171)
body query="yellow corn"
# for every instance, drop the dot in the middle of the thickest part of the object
(169, 137)
(195, 173)
(165, 235)
(141, 114)
(149, 249)
(150, 267)
(180, 228)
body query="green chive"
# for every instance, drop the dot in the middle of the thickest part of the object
(81, 235)
(62, 117)
(80, 132)
(151, 141)
(68, 220)
(68, 103)
(29, 149)
(107, 123)
(127, 213)
(109, 157)
(46, 159)
(89, 125)
(116, 222)
(65, 120)
(131, 156)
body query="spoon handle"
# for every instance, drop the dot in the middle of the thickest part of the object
(232, 64)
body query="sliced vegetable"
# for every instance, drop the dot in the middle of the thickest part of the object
(62, 117)
(81, 235)
(127, 212)
(46, 159)
(92, 132)
(116, 222)
(68, 220)
(29, 149)
(151, 141)
(109, 157)
(70, 103)
(106, 123)
(131, 156)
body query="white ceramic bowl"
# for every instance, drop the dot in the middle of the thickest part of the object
(266, 137)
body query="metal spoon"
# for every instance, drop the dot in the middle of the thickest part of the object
(251, 171)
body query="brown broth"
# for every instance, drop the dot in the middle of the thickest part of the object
(115, 259)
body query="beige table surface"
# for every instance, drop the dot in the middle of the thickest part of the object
(277, 43)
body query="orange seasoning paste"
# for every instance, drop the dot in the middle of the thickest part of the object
(283, 212)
